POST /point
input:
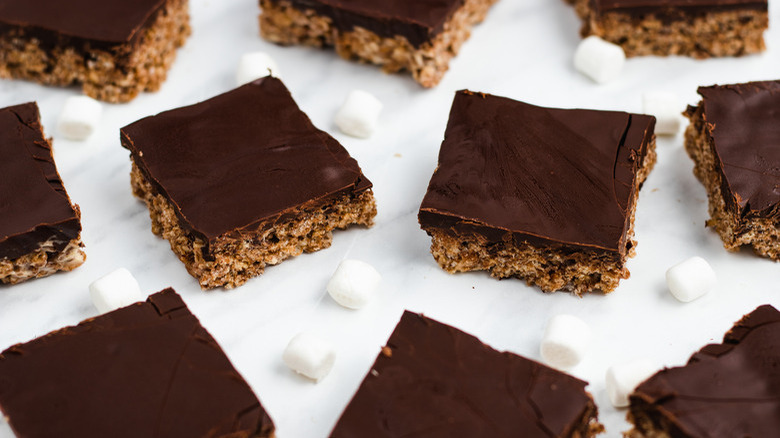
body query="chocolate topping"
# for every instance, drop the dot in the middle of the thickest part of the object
(241, 160)
(729, 389)
(509, 170)
(744, 125)
(147, 370)
(96, 24)
(667, 7)
(34, 206)
(419, 21)
(441, 382)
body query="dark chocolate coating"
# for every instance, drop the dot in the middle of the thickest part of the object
(667, 8)
(84, 24)
(436, 381)
(241, 160)
(34, 206)
(419, 21)
(511, 171)
(744, 123)
(726, 390)
(146, 370)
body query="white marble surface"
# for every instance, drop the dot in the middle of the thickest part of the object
(523, 51)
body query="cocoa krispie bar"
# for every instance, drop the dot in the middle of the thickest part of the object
(734, 139)
(697, 28)
(419, 36)
(547, 195)
(114, 49)
(244, 180)
(725, 390)
(434, 380)
(39, 227)
(146, 370)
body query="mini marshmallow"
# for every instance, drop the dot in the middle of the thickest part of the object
(622, 379)
(690, 279)
(310, 356)
(666, 108)
(255, 65)
(79, 118)
(353, 284)
(115, 290)
(359, 114)
(600, 60)
(566, 341)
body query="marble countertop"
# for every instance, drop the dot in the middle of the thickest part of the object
(523, 51)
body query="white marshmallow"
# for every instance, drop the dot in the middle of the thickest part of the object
(690, 279)
(309, 355)
(115, 290)
(666, 108)
(353, 284)
(79, 118)
(566, 341)
(359, 114)
(622, 379)
(255, 65)
(600, 60)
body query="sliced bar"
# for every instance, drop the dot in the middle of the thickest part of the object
(547, 195)
(419, 36)
(244, 180)
(114, 49)
(40, 230)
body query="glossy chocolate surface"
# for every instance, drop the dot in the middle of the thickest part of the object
(146, 370)
(729, 389)
(666, 7)
(513, 171)
(241, 161)
(34, 206)
(86, 24)
(745, 133)
(435, 381)
(419, 21)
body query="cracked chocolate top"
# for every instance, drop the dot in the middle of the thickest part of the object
(419, 21)
(34, 206)
(729, 389)
(241, 161)
(434, 380)
(665, 6)
(146, 370)
(98, 24)
(513, 171)
(744, 125)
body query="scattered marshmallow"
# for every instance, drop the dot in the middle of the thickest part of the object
(309, 355)
(690, 279)
(566, 341)
(359, 114)
(79, 118)
(600, 60)
(115, 290)
(255, 65)
(353, 284)
(666, 108)
(623, 378)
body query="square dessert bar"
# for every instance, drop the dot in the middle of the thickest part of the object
(40, 229)
(697, 28)
(734, 140)
(543, 194)
(244, 180)
(434, 380)
(115, 49)
(146, 370)
(729, 389)
(419, 36)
